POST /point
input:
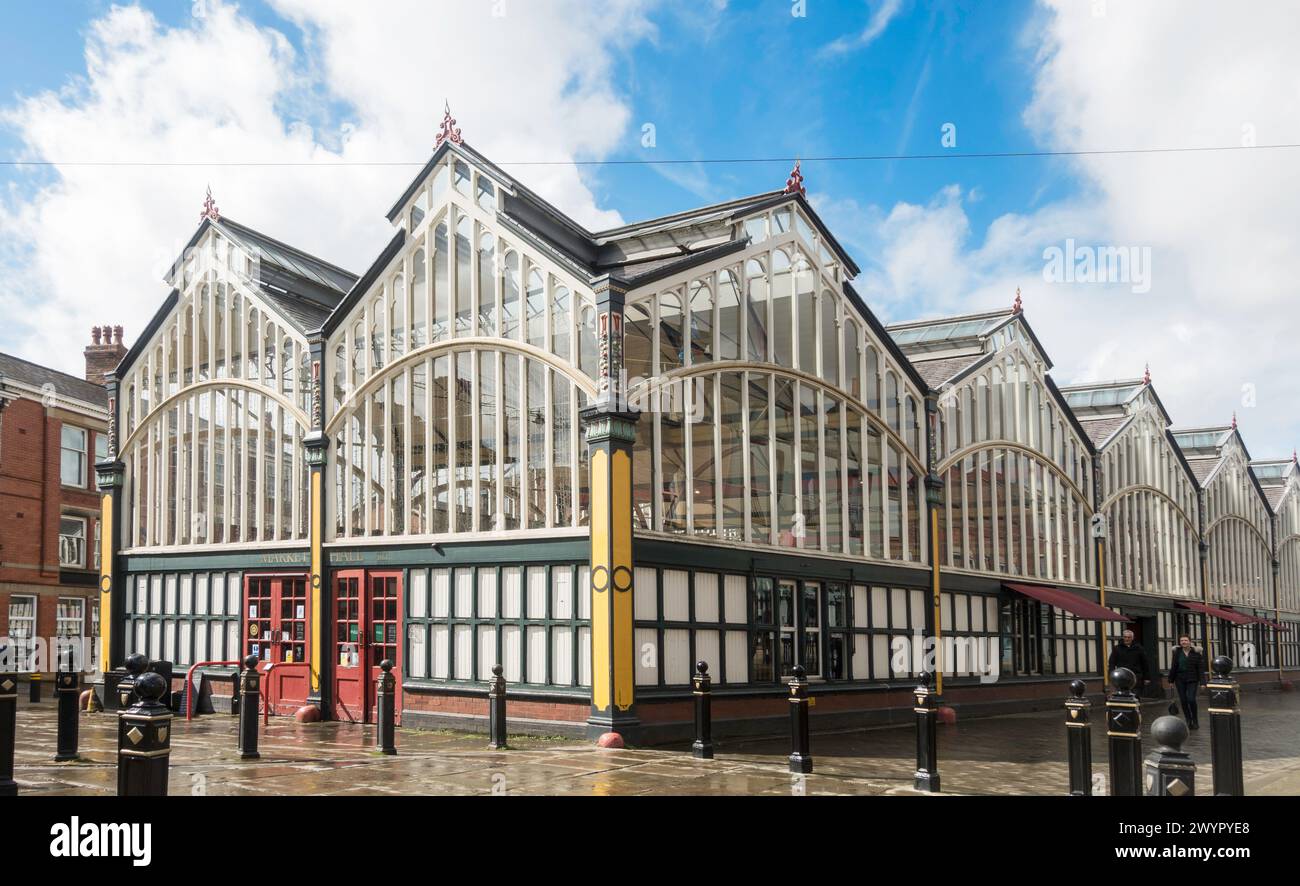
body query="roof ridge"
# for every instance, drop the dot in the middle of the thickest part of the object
(988, 315)
(708, 207)
(49, 368)
(302, 252)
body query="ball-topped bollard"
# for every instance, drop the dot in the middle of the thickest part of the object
(144, 741)
(1078, 737)
(386, 702)
(1225, 730)
(801, 761)
(67, 691)
(250, 694)
(927, 735)
(702, 689)
(1170, 771)
(135, 665)
(1124, 730)
(497, 710)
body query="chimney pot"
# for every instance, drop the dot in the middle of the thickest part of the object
(94, 335)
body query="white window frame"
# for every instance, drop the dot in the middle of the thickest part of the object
(80, 563)
(80, 482)
(25, 650)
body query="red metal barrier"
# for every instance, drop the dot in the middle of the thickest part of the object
(189, 684)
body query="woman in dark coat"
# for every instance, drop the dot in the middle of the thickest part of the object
(1186, 671)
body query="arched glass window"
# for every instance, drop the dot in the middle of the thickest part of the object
(638, 348)
(588, 350)
(510, 296)
(441, 283)
(419, 300)
(893, 412)
(358, 353)
(782, 311)
(872, 380)
(417, 215)
(806, 297)
(756, 290)
(376, 318)
(536, 309)
(486, 195)
(701, 323)
(670, 332)
(728, 316)
(852, 359)
(464, 260)
(397, 317)
(561, 320)
(487, 284)
(830, 339)
(460, 177)
(438, 188)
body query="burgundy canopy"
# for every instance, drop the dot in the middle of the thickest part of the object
(1073, 603)
(1226, 614)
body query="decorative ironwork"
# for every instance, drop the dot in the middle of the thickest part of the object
(447, 131)
(794, 184)
(1019, 305)
(210, 209)
(1146, 379)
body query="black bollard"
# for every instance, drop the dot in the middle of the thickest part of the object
(250, 692)
(801, 754)
(34, 688)
(1124, 729)
(702, 749)
(67, 689)
(1170, 771)
(386, 701)
(497, 711)
(927, 737)
(8, 721)
(134, 666)
(1078, 731)
(144, 742)
(1225, 730)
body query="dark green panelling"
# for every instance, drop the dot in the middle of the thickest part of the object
(224, 560)
(723, 558)
(466, 554)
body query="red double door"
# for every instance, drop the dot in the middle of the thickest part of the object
(367, 618)
(277, 630)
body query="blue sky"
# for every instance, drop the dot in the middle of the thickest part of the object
(309, 80)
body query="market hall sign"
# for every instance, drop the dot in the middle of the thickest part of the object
(283, 559)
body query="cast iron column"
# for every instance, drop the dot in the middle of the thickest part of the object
(927, 737)
(316, 446)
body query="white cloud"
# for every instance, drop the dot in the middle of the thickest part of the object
(88, 244)
(882, 14)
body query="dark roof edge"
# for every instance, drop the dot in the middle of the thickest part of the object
(1074, 419)
(149, 331)
(686, 262)
(285, 246)
(886, 340)
(363, 283)
(1182, 459)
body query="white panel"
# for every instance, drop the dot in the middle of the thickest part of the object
(707, 649)
(441, 595)
(185, 605)
(441, 641)
(487, 593)
(861, 602)
(898, 608)
(645, 605)
(977, 614)
(561, 592)
(217, 631)
(201, 595)
(512, 649)
(676, 595)
(219, 594)
(880, 656)
(536, 592)
(918, 609)
(169, 643)
(187, 636)
(861, 645)
(879, 611)
(647, 656)
(155, 640)
(416, 661)
(735, 590)
(487, 651)
(706, 597)
(512, 593)
(584, 656)
(464, 599)
(945, 612)
(561, 656)
(169, 599)
(234, 589)
(419, 594)
(201, 642)
(991, 613)
(737, 655)
(464, 654)
(677, 657)
(141, 638)
(584, 599)
(962, 602)
(233, 651)
(155, 595)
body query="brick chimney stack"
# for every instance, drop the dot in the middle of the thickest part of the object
(104, 352)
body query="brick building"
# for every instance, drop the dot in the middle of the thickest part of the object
(53, 428)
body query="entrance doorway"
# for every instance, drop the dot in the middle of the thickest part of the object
(367, 616)
(277, 628)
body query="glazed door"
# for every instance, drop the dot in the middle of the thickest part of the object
(276, 631)
(367, 617)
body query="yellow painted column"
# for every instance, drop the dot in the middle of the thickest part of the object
(110, 479)
(316, 445)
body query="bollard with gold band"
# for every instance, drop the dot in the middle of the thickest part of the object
(386, 705)
(497, 710)
(250, 693)
(800, 753)
(927, 736)
(67, 690)
(8, 718)
(1170, 771)
(702, 688)
(134, 666)
(1124, 732)
(1225, 730)
(144, 742)
(1078, 736)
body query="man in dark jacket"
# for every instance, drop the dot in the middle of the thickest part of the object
(1186, 671)
(1128, 654)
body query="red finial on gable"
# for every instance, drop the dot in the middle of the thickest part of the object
(1294, 457)
(1234, 421)
(1146, 379)
(210, 209)
(1019, 305)
(794, 184)
(448, 130)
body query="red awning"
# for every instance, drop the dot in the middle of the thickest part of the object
(1256, 619)
(1226, 614)
(1070, 602)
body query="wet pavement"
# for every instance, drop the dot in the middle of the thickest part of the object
(1011, 754)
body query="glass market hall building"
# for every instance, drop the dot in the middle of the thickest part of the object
(597, 458)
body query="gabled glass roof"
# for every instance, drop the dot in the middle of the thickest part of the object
(1200, 439)
(947, 330)
(1092, 397)
(1271, 472)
